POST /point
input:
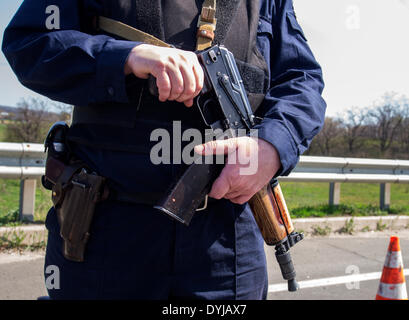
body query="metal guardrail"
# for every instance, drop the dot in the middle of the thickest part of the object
(340, 170)
(326, 169)
(21, 160)
(26, 161)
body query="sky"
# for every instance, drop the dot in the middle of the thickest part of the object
(362, 46)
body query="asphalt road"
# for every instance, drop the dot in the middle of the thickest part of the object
(21, 276)
(328, 258)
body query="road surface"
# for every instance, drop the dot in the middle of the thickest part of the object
(322, 264)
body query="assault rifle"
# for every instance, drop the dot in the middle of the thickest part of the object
(224, 107)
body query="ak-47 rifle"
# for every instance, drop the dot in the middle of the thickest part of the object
(224, 106)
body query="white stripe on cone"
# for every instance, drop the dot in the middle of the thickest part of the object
(393, 291)
(394, 259)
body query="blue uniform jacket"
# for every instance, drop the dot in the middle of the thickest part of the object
(134, 252)
(77, 68)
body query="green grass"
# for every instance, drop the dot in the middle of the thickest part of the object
(2, 132)
(9, 202)
(303, 200)
(307, 199)
(21, 241)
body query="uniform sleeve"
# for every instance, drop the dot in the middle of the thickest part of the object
(65, 64)
(293, 108)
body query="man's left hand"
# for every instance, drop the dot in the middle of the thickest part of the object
(250, 164)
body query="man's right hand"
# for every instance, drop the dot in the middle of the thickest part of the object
(178, 73)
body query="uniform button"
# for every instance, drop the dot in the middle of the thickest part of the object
(111, 91)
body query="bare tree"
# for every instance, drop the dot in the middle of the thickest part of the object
(403, 136)
(386, 118)
(325, 141)
(353, 121)
(30, 117)
(33, 118)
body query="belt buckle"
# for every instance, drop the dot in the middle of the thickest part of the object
(204, 205)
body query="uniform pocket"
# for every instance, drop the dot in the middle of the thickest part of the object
(295, 26)
(264, 27)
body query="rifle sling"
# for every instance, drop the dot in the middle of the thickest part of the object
(127, 32)
(205, 35)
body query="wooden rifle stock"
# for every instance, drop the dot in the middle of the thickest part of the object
(274, 221)
(271, 213)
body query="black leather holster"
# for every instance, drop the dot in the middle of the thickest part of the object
(75, 192)
(74, 201)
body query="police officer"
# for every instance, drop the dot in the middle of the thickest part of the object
(134, 252)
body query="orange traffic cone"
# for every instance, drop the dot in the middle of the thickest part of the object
(392, 285)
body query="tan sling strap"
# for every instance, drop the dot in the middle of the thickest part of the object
(127, 32)
(205, 34)
(206, 26)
